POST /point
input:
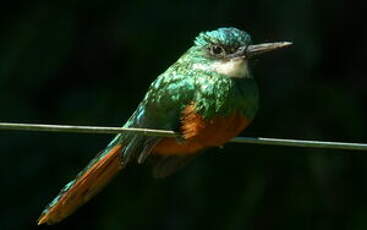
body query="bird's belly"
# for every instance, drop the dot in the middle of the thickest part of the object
(199, 134)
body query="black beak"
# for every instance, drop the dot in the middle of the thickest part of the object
(254, 50)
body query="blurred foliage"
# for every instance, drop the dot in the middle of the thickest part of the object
(90, 62)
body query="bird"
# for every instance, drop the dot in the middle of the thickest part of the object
(209, 95)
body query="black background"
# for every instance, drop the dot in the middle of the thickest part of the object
(90, 63)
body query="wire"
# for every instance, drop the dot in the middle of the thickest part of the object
(301, 143)
(167, 133)
(84, 129)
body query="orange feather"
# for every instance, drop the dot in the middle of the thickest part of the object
(86, 186)
(199, 134)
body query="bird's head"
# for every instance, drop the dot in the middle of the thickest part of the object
(227, 50)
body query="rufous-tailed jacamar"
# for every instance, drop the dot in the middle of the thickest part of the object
(208, 95)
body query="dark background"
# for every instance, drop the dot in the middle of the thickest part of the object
(90, 62)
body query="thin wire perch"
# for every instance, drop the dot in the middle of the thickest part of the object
(168, 133)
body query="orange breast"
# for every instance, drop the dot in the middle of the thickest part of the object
(199, 134)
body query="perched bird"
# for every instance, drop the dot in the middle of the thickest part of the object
(208, 95)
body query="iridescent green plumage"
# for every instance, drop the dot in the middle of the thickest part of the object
(229, 37)
(213, 93)
(209, 83)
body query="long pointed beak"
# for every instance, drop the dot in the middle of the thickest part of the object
(253, 50)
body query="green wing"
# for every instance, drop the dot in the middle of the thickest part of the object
(160, 109)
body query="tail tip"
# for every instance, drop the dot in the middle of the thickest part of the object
(45, 219)
(41, 220)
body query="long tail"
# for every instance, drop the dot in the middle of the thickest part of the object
(87, 184)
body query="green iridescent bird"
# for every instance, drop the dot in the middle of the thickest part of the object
(208, 95)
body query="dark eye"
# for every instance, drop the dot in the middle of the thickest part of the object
(217, 50)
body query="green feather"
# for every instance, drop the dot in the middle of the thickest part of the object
(212, 93)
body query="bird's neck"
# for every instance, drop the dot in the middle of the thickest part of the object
(233, 68)
(222, 96)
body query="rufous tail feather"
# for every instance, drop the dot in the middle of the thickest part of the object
(87, 184)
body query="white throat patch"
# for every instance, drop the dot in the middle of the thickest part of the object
(232, 68)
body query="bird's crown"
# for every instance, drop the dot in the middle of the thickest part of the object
(225, 36)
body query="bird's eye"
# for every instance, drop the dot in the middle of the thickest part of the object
(217, 50)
